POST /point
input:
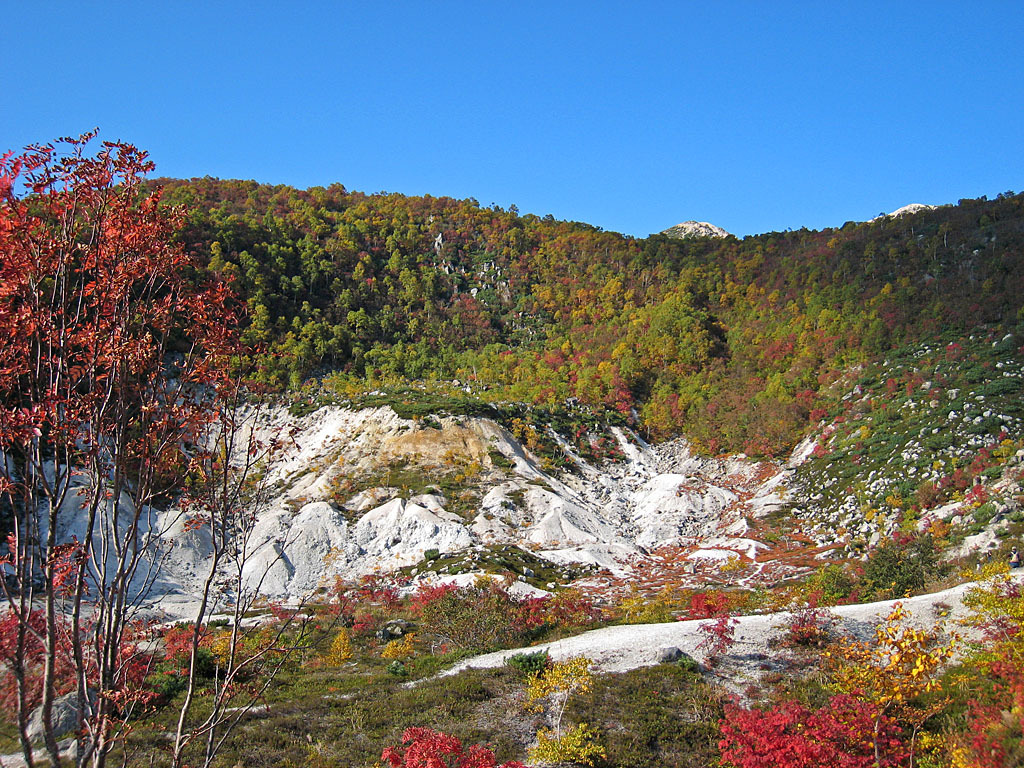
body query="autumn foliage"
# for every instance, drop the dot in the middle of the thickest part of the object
(552, 688)
(994, 737)
(114, 352)
(872, 721)
(425, 748)
(727, 340)
(486, 614)
(790, 735)
(30, 655)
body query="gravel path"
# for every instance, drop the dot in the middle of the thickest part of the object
(622, 648)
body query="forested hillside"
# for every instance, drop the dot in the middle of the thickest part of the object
(731, 342)
(451, 471)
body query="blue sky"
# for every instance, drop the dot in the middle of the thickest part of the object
(756, 116)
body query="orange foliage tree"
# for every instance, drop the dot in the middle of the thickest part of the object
(113, 356)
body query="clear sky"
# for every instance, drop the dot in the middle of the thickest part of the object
(631, 116)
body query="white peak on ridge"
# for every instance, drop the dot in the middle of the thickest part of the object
(694, 229)
(906, 210)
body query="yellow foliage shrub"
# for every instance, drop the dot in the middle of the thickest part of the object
(634, 608)
(732, 565)
(247, 645)
(577, 745)
(939, 529)
(899, 664)
(558, 683)
(402, 648)
(991, 601)
(220, 647)
(990, 572)
(341, 648)
(894, 500)
(564, 678)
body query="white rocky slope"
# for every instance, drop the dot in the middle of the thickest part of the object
(337, 508)
(626, 647)
(319, 524)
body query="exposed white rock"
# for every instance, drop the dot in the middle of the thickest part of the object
(983, 543)
(712, 554)
(399, 532)
(613, 559)
(370, 498)
(311, 531)
(803, 451)
(665, 513)
(688, 229)
(625, 647)
(516, 588)
(906, 210)
(317, 534)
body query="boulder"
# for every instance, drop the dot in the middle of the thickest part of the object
(670, 654)
(64, 717)
(393, 630)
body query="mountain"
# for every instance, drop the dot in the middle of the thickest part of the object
(547, 386)
(906, 210)
(689, 229)
(727, 342)
(475, 429)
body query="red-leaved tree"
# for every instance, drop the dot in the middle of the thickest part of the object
(112, 360)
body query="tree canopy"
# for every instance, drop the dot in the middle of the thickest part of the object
(728, 341)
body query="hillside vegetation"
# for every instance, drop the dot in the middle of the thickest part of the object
(488, 434)
(728, 341)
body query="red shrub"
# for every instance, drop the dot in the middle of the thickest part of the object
(790, 735)
(428, 594)
(977, 496)
(718, 636)
(375, 588)
(178, 642)
(706, 605)
(425, 748)
(570, 608)
(809, 627)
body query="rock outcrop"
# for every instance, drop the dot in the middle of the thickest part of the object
(689, 229)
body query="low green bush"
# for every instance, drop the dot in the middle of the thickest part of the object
(900, 568)
(529, 663)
